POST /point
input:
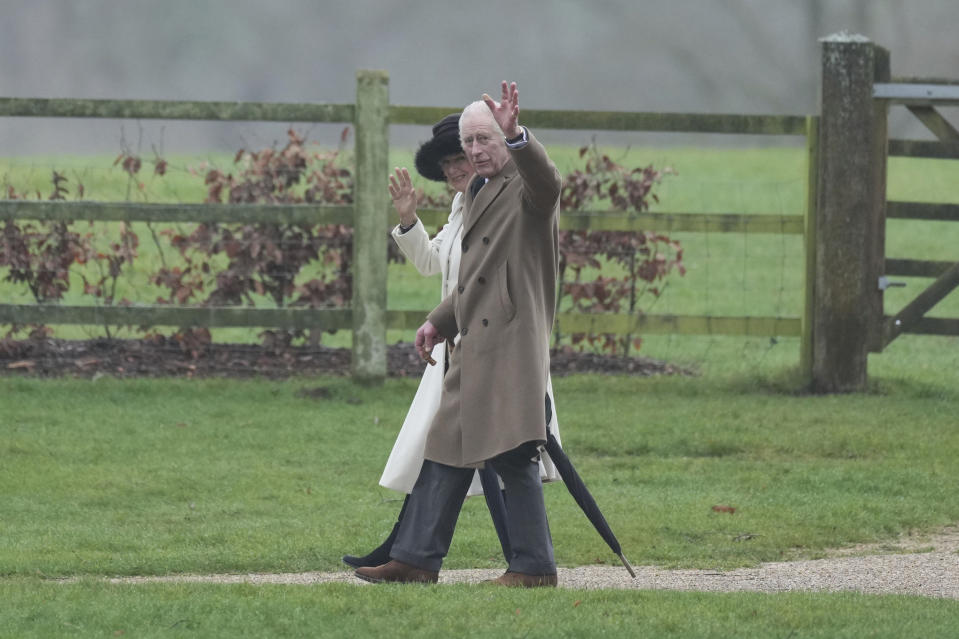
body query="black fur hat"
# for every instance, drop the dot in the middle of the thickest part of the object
(445, 141)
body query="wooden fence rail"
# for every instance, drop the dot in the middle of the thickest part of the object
(324, 214)
(333, 113)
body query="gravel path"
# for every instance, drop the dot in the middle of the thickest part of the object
(926, 565)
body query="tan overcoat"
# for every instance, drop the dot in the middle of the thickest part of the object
(502, 309)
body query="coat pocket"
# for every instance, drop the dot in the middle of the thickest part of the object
(505, 299)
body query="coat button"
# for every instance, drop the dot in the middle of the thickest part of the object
(485, 240)
(481, 280)
(485, 322)
(464, 332)
(461, 289)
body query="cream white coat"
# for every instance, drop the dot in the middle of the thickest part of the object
(439, 255)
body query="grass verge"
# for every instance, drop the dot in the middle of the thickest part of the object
(95, 610)
(161, 476)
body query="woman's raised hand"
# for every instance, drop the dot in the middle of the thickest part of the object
(403, 195)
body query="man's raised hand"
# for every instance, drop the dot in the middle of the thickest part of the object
(506, 111)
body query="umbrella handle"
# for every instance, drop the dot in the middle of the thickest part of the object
(625, 561)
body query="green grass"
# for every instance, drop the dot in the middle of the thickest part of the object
(34, 609)
(151, 476)
(114, 477)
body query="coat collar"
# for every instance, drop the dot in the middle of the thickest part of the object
(476, 207)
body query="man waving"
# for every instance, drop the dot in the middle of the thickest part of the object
(500, 316)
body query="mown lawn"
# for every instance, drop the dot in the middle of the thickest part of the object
(113, 477)
(93, 609)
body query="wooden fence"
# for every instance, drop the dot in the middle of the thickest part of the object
(852, 269)
(371, 115)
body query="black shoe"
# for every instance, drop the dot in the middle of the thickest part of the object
(381, 554)
(378, 557)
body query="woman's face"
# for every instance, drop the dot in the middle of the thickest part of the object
(457, 170)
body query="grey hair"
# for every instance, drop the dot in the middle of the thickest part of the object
(480, 110)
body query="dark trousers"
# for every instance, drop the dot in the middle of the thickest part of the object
(436, 500)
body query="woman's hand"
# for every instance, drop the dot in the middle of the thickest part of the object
(404, 196)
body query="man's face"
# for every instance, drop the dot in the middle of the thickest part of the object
(484, 146)
(457, 170)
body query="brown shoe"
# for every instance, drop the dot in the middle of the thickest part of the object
(397, 572)
(521, 580)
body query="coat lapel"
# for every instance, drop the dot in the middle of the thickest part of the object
(478, 205)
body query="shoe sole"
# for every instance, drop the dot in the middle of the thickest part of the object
(372, 580)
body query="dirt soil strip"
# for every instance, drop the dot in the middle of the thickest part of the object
(934, 572)
(163, 357)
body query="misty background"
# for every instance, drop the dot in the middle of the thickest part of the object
(711, 56)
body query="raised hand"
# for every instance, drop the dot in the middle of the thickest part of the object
(403, 195)
(506, 111)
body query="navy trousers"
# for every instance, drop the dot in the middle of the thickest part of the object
(434, 506)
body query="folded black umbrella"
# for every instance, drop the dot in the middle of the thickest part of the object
(574, 483)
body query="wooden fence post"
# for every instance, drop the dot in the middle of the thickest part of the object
(369, 237)
(809, 250)
(847, 310)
